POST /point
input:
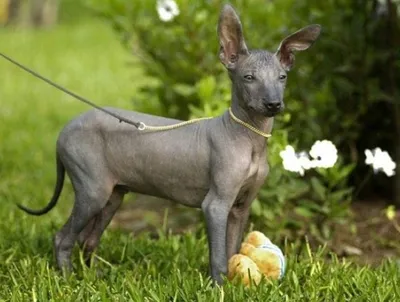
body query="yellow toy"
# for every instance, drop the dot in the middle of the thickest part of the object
(258, 256)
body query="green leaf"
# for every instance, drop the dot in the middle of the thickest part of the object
(295, 188)
(206, 88)
(318, 188)
(346, 170)
(256, 207)
(340, 195)
(303, 211)
(183, 89)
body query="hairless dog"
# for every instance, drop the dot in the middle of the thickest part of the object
(216, 164)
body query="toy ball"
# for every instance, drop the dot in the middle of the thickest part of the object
(258, 256)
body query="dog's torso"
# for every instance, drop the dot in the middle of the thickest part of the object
(174, 164)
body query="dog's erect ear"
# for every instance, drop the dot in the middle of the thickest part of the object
(300, 40)
(231, 39)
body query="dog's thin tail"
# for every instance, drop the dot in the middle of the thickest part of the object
(57, 191)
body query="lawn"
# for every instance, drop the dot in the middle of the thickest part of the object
(87, 58)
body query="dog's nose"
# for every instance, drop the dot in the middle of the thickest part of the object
(273, 106)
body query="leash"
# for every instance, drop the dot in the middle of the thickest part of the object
(139, 125)
(143, 126)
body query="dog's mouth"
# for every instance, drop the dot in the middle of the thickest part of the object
(264, 111)
(272, 113)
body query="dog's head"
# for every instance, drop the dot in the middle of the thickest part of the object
(259, 76)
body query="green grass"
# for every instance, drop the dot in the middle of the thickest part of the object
(88, 59)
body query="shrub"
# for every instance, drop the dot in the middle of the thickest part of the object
(181, 55)
(291, 205)
(325, 97)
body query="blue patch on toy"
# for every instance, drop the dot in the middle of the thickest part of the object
(277, 251)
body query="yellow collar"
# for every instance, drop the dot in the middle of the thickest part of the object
(248, 126)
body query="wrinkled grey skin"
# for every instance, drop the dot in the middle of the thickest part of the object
(217, 165)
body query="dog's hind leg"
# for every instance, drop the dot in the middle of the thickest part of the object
(89, 238)
(90, 199)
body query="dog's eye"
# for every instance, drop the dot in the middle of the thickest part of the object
(282, 77)
(249, 77)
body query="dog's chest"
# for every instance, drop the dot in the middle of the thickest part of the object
(257, 170)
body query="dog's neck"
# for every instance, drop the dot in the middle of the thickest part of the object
(251, 117)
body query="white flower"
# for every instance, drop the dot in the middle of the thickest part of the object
(369, 157)
(324, 154)
(380, 161)
(167, 10)
(305, 161)
(290, 160)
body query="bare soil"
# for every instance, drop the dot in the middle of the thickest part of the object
(372, 239)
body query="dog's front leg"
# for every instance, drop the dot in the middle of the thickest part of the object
(216, 211)
(239, 214)
(237, 220)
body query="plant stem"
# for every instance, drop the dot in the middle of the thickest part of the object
(363, 183)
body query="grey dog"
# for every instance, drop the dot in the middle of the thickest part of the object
(218, 164)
